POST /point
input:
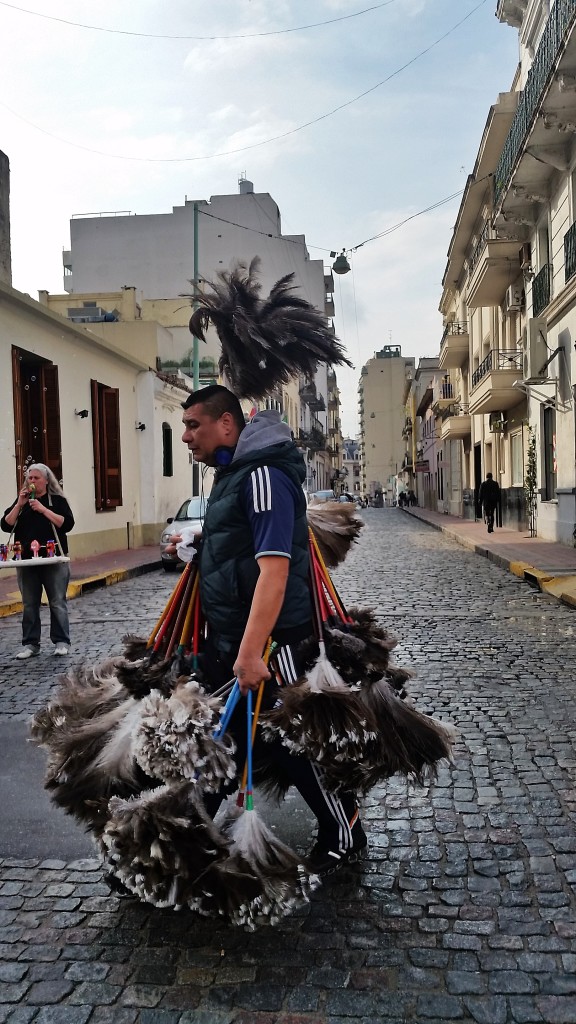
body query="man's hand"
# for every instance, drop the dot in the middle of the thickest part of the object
(174, 541)
(250, 672)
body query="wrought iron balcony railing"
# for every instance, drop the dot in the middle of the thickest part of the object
(480, 245)
(559, 21)
(506, 359)
(541, 289)
(570, 253)
(457, 327)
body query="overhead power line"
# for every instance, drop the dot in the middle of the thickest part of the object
(158, 35)
(264, 142)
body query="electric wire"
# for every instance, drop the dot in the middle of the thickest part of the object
(157, 35)
(263, 142)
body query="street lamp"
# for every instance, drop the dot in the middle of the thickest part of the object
(340, 265)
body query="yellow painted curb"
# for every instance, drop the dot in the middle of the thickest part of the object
(537, 575)
(519, 568)
(563, 587)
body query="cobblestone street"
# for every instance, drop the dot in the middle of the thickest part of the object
(465, 909)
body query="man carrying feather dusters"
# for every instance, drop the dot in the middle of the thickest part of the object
(254, 584)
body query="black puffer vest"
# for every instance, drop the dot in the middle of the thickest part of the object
(228, 569)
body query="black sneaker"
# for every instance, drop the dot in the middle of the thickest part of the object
(322, 861)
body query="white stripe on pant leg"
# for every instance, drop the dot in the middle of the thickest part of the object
(290, 658)
(286, 664)
(345, 840)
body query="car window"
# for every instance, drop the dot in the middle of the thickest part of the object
(194, 508)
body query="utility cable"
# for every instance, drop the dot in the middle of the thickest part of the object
(156, 35)
(264, 142)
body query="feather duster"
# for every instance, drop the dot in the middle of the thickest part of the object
(358, 648)
(320, 716)
(162, 846)
(88, 731)
(265, 343)
(407, 742)
(175, 738)
(336, 526)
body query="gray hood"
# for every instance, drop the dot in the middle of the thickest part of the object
(264, 430)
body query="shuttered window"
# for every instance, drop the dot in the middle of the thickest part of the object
(36, 413)
(106, 433)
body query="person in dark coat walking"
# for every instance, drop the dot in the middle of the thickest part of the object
(489, 499)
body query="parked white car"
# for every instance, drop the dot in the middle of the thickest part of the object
(191, 513)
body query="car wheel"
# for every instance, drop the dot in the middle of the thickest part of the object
(169, 566)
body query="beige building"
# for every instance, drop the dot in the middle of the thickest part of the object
(381, 406)
(509, 292)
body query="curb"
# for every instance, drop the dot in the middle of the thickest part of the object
(76, 588)
(563, 588)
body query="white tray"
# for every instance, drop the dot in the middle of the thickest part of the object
(21, 563)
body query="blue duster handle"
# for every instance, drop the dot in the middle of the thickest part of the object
(227, 712)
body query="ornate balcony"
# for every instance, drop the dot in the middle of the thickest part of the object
(493, 264)
(551, 47)
(443, 395)
(457, 424)
(492, 382)
(454, 347)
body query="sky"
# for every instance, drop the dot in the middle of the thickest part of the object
(355, 116)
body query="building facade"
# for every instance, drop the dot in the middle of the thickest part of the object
(509, 289)
(166, 258)
(381, 406)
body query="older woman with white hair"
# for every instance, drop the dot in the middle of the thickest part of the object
(41, 513)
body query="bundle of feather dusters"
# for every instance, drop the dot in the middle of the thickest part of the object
(131, 749)
(348, 712)
(265, 342)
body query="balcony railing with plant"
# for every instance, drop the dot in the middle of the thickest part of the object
(505, 359)
(559, 22)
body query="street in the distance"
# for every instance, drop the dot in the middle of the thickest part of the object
(465, 909)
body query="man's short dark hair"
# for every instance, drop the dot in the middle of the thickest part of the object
(217, 400)
(488, 476)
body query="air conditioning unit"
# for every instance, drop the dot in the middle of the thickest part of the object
(514, 300)
(535, 349)
(525, 256)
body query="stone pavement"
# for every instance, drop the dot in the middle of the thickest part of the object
(464, 910)
(549, 566)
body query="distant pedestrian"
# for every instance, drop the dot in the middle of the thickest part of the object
(41, 514)
(489, 499)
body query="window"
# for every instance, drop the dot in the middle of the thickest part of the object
(549, 453)
(167, 463)
(517, 459)
(36, 412)
(106, 437)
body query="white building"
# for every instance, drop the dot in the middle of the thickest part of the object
(163, 255)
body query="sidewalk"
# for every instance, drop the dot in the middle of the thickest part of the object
(87, 574)
(550, 567)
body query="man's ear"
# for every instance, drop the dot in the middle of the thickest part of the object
(229, 425)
